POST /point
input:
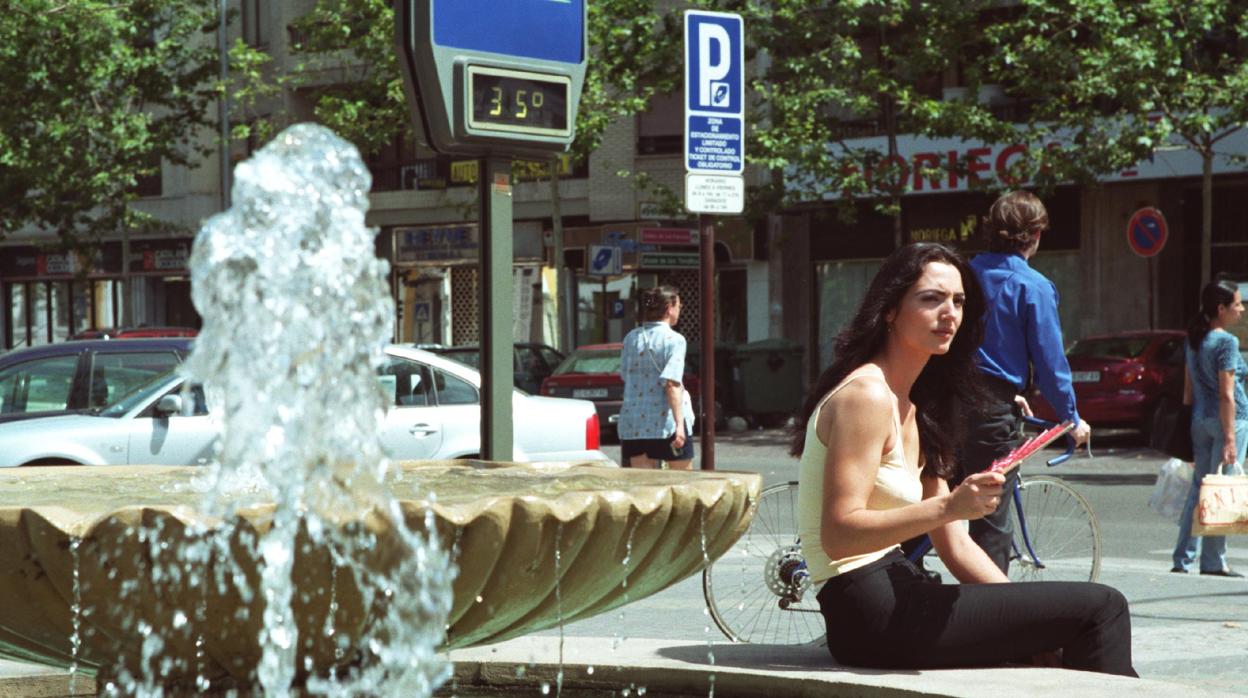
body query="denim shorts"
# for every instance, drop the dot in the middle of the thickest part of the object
(656, 449)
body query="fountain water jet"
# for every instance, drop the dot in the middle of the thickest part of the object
(301, 557)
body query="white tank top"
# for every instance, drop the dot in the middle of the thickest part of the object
(895, 486)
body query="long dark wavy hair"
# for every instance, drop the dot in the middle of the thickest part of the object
(1214, 293)
(949, 385)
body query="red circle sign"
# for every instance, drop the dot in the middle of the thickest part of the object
(1147, 232)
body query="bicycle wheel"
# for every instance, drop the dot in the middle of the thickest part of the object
(759, 591)
(1056, 535)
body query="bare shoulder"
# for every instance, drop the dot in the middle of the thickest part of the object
(862, 408)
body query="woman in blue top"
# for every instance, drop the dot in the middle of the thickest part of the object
(1214, 387)
(655, 418)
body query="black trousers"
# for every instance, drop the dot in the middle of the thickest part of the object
(888, 615)
(992, 433)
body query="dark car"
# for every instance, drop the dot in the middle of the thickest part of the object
(592, 372)
(1125, 379)
(531, 362)
(142, 331)
(77, 376)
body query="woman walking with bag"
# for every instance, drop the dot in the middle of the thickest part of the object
(656, 417)
(1214, 387)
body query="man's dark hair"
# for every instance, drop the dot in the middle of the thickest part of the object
(1014, 221)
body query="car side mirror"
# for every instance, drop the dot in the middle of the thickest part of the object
(169, 405)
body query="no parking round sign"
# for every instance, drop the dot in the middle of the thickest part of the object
(1147, 232)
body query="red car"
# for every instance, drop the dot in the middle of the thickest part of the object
(136, 332)
(592, 372)
(1123, 379)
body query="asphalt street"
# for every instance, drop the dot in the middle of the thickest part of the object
(1188, 629)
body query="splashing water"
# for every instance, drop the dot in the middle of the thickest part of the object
(296, 316)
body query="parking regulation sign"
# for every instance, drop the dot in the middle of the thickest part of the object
(714, 92)
(1147, 232)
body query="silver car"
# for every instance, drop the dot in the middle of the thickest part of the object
(434, 414)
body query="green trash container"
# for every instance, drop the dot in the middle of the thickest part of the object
(724, 356)
(767, 379)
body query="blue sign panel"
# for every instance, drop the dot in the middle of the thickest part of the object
(714, 92)
(550, 30)
(714, 57)
(714, 144)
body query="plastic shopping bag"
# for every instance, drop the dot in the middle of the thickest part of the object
(1170, 493)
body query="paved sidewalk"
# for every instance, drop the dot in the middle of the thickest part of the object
(688, 668)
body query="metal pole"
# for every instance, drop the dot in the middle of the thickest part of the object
(706, 228)
(494, 184)
(223, 105)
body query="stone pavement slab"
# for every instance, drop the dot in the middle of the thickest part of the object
(25, 680)
(692, 668)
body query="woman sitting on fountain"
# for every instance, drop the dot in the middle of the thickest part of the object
(876, 438)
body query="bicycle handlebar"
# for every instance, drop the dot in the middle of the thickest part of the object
(1070, 440)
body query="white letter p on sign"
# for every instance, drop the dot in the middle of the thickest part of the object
(711, 92)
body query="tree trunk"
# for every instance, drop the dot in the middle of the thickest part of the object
(1206, 214)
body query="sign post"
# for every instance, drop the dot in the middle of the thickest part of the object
(714, 163)
(1147, 233)
(494, 79)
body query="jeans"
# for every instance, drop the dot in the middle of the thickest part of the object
(1207, 437)
(888, 615)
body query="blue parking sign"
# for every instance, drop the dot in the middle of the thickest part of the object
(714, 92)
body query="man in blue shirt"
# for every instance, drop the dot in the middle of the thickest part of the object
(1022, 338)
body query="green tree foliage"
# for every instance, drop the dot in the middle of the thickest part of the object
(830, 73)
(98, 92)
(1114, 80)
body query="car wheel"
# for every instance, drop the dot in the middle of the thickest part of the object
(49, 461)
(1152, 425)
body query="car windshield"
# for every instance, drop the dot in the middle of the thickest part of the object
(1111, 347)
(597, 361)
(137, 396)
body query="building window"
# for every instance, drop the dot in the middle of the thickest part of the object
(661, 129)
(255, 29)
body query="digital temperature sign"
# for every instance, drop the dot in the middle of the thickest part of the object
(518, 101)
(493, 77)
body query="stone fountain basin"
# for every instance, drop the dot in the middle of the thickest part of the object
(104, 539)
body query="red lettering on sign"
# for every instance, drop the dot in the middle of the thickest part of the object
(1003, 164)
(953, 169)
(924, 161)
(974, 165)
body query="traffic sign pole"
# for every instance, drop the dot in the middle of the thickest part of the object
(706, 227)
(497, 376)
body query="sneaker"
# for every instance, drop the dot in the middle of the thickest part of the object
(1178, 570)
(1228, 572)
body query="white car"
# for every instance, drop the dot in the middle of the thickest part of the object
(434, 414)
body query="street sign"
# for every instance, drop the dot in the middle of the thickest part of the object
(493, 77)
(1147, 232)
(617, 309)
(668, 260)
(714, 92)
(421, 312)
(669, 236)
(714, 193)
(605, 260)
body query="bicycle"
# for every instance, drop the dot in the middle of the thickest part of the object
(1056, 537)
